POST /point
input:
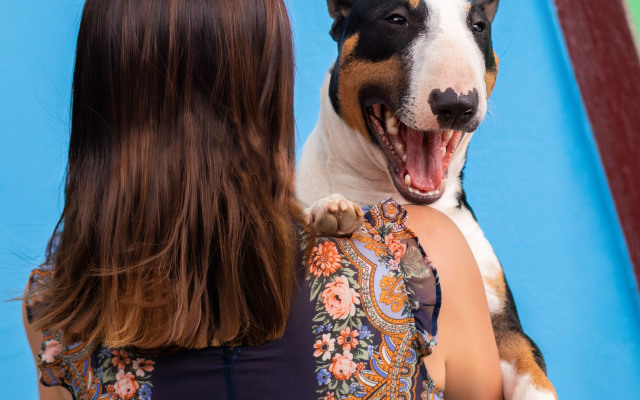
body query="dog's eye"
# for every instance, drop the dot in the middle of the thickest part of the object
(396, 19)
(478, 27)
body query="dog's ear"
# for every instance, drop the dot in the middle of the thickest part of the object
(489, 7)
(338, 10)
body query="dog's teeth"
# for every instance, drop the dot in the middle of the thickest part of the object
(392, 129)
(377, 110)
(448, 134)
(443, 151)
(407, 180)
(391, 122)
(400, 148)
(404, 158)
(388, 114)
(420, 192)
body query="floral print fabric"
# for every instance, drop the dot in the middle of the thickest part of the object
(373, 303)
(377, 299)
(86, 370)
(131, 374)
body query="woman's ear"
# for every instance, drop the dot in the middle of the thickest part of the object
(489, 7)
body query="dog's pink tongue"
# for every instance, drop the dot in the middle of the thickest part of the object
(424, 161)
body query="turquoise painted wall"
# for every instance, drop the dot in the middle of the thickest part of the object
(534, 179)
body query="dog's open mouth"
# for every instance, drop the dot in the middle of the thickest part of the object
(418, 160)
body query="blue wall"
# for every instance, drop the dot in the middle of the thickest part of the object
(37, 51)
(534, 179)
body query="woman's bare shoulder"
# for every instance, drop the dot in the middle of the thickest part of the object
(447, 248)
(440, 237)
(466, 359)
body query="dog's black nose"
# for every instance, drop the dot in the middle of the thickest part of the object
(452, 109)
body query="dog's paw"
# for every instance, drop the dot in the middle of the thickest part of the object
(334, 216)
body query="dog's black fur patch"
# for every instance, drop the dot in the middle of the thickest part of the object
(477, 17)
(380, 37)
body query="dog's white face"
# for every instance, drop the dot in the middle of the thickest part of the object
(444, 56)
(414, 76)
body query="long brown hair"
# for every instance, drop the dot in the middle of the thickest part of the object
(177, 224)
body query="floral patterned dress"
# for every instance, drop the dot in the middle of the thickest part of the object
(363, 318)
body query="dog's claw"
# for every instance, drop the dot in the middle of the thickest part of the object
(334, 216)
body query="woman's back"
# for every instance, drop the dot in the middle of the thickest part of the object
(363, 316)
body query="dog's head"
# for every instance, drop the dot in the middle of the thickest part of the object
(413, 76)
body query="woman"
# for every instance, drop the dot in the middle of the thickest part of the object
(182, 270)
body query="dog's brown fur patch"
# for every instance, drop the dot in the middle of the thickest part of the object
(490, 76)
(414, 3)
(515, 349)
(498, 285)
(355, 74)
(513, 346)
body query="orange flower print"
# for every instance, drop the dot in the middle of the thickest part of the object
(342, 366)
(324, 347)
(120, 359)
(359, 369)
(348, 339)
(396, 247)
(339, 299)
(390, 209)
(141, 365)
(329, 396)
(325, 259)
(126, 386)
